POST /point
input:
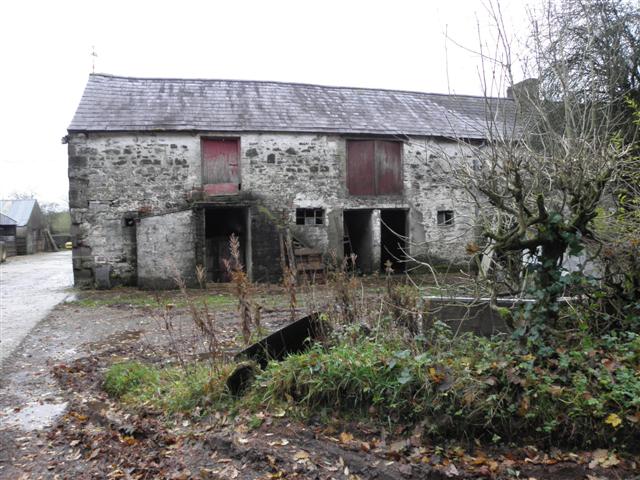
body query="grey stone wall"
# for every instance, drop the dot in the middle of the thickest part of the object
(116, 176)
(166, 250)
(431, 187)
(119, 176)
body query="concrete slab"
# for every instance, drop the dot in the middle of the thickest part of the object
(30, 286)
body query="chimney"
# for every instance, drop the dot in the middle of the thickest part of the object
(526, 93)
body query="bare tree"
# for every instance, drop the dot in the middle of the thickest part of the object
(539, 180)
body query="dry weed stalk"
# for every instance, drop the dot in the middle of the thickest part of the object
(243, 288)
(288, 273)
(165, 318)
(201, 276)
(203, 319)
(172, 328)
(344, 285)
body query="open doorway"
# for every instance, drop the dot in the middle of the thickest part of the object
(393, 238)
(358, 238)
(220, 224)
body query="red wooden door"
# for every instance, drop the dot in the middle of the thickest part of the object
(361, 167)
(388, 167)
(374, 167)
(220, 166)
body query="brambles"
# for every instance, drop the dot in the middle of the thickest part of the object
(471, 386)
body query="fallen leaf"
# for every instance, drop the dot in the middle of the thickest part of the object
(634, 418)
(555, 390)
(281, 442)
(451, 471)
(229, 472)
(609, 364)
(613, 420)
(612, 461)
(405, 469)
(301, 455)
(345, 437)
(491, 381)
(604, 458)
(523, 408)
(129, 440)
(435, 376)
(399, 445)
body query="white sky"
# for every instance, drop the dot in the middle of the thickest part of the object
(45, 53)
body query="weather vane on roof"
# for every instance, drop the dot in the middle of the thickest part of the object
(94, 55)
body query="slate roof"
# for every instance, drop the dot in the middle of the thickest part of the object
(18, 210)
(112, 103)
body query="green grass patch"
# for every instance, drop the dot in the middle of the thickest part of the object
(169, 389)
(127, 377)
(143, 299)
(110, 301)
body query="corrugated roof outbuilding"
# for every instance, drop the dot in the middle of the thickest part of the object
(19, 210)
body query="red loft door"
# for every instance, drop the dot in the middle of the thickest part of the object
(220, 166)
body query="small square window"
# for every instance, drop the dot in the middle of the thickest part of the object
(309, 216)
(445, 217)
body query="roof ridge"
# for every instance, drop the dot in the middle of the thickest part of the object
(302, 84)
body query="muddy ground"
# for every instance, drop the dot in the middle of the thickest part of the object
(57, 422)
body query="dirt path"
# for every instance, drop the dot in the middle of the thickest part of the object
(30, 286)
(31, 400)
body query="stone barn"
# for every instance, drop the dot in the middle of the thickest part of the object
(163, 171)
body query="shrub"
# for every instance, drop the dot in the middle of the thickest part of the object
(587, 393)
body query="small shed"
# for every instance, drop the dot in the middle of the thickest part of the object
(29, 226)
(8, 234)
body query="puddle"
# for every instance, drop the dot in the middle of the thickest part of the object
(34, 417)
(115, 339)
(71, 297)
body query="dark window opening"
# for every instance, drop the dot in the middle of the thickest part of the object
(7, 230)
(129, 222)
(309, 216)
(445, 217)
(374, 167)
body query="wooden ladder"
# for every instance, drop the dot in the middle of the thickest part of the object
(308, 262)
(347, 247)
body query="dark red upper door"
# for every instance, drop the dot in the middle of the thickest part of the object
(374, 167)
(389, 167)
(220, 166)
(361, 167)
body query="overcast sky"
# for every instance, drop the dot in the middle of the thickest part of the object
(46, 46)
